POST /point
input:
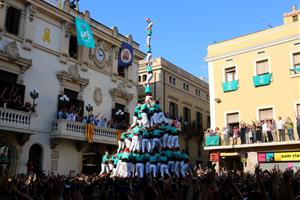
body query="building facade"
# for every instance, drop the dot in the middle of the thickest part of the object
(38, 48)
(256, 77)
(181, 96)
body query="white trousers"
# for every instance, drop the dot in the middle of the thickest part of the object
(146, 145)
(153, 170)
(148, 41)
(120, 146)
(175, 141)
(117, 170)
(135, 143)
(124, 170)
(110, 167)
(145, 121)
(134, 121)
(148, 57)
(156, 141)
(140, 170)
(164, 169)
(132, 169)
(104, 169)
(171, 166)
(149, 77)
(127, 143)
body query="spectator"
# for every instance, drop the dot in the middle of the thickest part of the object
(280, 125)
(243, 132)
(226, 135)
(265, 131)
(269, 131)
(290, 128)
(273, 130)
(298, 125)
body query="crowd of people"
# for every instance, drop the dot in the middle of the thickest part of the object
(12, 98)
(204, 184)
(259, 131)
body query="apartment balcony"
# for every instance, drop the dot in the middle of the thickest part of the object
(213, 144)
(64, 129)
(16, 122)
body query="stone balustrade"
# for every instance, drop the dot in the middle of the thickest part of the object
(76, 131)
(15, 120)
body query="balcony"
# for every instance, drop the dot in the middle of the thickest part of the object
(230, 86)
(63, 129)
(212, 143)
(15, 120)
(262, 80)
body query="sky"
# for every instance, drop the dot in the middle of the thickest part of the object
(182, 30)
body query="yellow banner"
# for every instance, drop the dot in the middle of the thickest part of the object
(287, 156)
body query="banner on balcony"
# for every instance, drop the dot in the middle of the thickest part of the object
(89, 132)
(213, 140)
(125, 55)
(84, 33)
(261, 80)
(230, 86)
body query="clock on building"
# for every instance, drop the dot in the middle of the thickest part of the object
(99, 54)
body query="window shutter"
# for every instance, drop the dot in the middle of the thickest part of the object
(296, 59)
(266, 114)
(232, 118)
(262, 67)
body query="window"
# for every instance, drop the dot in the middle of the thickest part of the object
(265, 114)
(186, 115)
(184, 86)
(295, 18)
(170, 79)
(12, 23)
(198, 92)
(207, 97)
(121, 71)
(187, 87)
(232, 120)
(208, 121)
(262, 67)
(230, 74)
(144, 77)
(298, 109)
(174, 81)
(199, 119)
(73, 47)
(140, 79)
(296, 61)
(173, 109)
(70, 93)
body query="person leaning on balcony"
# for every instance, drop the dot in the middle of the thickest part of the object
(280, 125)
(269, 131)
(248, 134)
(290, 128)
(243, 132)
(253, 131)
(298, 125)
(236, 134)
(225, 135)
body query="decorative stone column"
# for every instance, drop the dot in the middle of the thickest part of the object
(114, 67)
(30, 11)
(2, 16)
(65, 40)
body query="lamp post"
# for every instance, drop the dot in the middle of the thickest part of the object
(34, 94)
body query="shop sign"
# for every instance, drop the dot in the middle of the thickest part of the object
(287, 156)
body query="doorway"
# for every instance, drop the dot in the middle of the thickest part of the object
(34, 162)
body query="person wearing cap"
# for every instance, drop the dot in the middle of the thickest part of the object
(153, 164)
(137, 109)
(164, 164)
(135, 139)
(121, 142)
(104, 164)
(146, 146)
(140, 167)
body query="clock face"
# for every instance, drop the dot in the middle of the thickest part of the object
(99, 54)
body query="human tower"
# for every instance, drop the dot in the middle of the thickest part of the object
(150, 146)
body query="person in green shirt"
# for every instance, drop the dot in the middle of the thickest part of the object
(124, 172)
(137, 110)
(177, 160)
(164, 169)
(135, 139)
(104, 164)
(128, 139)
(175, 143)
(149, 73)
(140, 167)
(184, 163)
(170, 156)
(146, 145)
(156, 138)
(117, 170)
(145, 121)
(153, 164)
(121, 142)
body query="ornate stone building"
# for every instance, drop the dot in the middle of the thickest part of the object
(38, 48)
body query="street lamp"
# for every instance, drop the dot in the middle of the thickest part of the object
(34, 94)
(89, 108)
